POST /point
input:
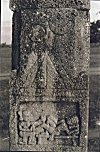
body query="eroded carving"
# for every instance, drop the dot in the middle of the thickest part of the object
(46, 128)
(47, 45)
(59, 23)
(26, 130)
(46, 39)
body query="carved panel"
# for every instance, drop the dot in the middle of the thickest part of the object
(46, 45)
(44, 32)
(38, 126)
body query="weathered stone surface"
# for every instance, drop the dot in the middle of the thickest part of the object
(49, 84)
(78, 4)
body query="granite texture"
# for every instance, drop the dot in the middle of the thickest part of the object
(34, 4)
(49, 90)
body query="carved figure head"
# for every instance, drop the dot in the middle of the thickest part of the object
(39, 33)
(73, 120)
(26, 115)
(42, 34)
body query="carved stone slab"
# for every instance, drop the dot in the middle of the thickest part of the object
(49, 83)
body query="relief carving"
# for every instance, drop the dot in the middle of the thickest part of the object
(46, 128)
(43, 65)
(43, 68)
(59, 23)
(35, 69)
(26, 131)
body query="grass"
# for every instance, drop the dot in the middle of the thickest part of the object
(5, 60)
(4, 115)
(4, 107)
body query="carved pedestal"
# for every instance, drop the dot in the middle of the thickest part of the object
(49, 84)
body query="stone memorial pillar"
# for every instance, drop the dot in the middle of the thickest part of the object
(49, 91)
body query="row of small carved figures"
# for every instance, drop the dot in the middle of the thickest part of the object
(47, 128)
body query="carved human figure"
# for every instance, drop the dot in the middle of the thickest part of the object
(26, 130)
(44, 128)
(61, 126)
(73, 125)
(50, 124)
(42, 39)
(70, 126)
